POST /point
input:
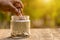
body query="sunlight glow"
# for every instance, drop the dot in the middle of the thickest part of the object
(47, 1)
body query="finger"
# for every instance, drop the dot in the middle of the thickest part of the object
(13, 9)
(18, 4)
(21, 4)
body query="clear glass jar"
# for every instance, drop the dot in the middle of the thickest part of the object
(20, 26)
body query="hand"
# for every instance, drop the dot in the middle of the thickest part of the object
(11, 5)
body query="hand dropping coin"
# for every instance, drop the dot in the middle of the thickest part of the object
(19, 7)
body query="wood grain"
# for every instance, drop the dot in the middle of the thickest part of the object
(36, 34)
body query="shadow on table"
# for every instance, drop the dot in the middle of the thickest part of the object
(9, 38)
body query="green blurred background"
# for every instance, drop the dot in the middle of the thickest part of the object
(43, 14)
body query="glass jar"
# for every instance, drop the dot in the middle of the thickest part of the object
(20, 26)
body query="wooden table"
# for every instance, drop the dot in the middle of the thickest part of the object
(36, 34)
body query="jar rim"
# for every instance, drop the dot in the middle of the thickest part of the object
(20, 17)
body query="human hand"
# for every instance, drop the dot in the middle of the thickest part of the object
(11, 5)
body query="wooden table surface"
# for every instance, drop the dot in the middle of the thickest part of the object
(36, 34)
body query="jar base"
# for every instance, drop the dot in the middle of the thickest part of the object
(20, 36)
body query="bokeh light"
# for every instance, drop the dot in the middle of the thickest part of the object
(47, 1)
